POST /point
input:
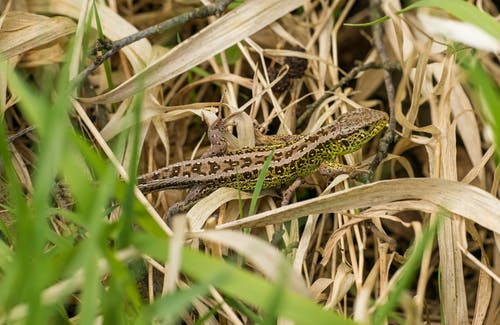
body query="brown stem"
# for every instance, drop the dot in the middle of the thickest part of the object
(378, 40)
(113, 47)
(346, 79)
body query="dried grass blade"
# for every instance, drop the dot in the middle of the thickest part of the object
(242, 22)
(465, 200)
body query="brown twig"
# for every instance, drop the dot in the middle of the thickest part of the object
(19, 134)
(111, 48)
(388, 137)
(347, 78)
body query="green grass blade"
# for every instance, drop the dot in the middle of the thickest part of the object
(485, 92)
(107, 66)
(463, 10)
(241, 284)
(127, 203)
(52, 125)
(170, 308)
(260, 183)
(410, 270)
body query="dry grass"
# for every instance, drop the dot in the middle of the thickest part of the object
(346, 244)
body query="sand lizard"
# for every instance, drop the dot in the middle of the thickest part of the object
(298, 156)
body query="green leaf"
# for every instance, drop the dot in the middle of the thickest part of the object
(232, 53)
(168, 310)
(462, 10)
(260, 183)
(408, 274)
(484, 91)
(243, 285)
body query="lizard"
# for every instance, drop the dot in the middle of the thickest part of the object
(295, 157)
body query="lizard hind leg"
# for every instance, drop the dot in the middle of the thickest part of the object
(194, 194)
(333, 168)
(287, 194)
(279, 230)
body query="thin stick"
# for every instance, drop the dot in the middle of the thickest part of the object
(111, 48)
(347, 78)
(389, 135)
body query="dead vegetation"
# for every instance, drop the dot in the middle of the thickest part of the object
(345, 243)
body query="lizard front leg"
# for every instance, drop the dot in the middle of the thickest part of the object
(327, 168)
(218, 147)
(218, 144)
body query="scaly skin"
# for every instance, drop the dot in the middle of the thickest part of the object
(293, 159)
